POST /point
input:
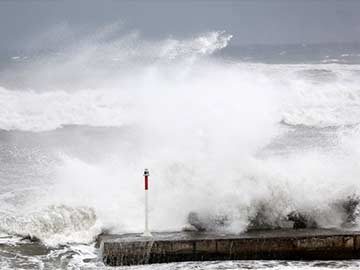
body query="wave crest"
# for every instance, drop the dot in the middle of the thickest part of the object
(55, 224)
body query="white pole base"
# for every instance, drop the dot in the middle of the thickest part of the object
(147, 234)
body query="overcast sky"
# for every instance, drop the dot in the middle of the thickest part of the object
(252, 21)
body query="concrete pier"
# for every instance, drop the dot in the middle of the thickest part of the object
(306, 244)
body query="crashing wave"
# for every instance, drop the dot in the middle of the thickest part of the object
(266, 218)
(53, 225)
(201, 124)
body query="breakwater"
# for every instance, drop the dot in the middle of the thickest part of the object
(314, 244)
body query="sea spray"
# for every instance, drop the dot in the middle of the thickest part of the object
(224, 139)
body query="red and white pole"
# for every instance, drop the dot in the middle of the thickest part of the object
(146, 183)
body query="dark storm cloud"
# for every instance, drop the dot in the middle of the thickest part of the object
(256, 21)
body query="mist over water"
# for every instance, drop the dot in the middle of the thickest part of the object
(225, 138)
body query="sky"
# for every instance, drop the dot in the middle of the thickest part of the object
(22, 22)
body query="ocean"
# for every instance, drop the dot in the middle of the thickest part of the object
(229, 132)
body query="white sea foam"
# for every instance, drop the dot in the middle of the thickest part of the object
(244, 265)
(199, 123)
(54, 224)
(294, 96)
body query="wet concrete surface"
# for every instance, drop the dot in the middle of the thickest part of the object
(302, 244)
